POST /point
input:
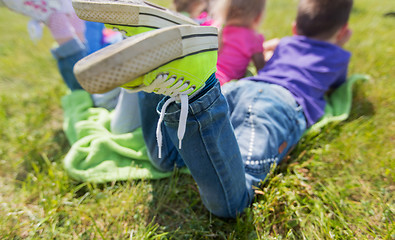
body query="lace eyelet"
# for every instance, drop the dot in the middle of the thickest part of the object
(162, 74)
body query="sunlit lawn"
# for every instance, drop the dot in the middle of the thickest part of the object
(337, 185)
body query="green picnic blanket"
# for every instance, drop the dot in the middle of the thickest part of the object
(338, 104)
(97, 155)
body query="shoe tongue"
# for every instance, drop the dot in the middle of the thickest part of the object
(179, 15)
(186, 19)
(131, 1)
(141, 2)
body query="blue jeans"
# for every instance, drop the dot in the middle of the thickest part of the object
(231, 139)
(67, 55)
(94, 36)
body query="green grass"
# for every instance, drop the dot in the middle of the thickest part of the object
(337, 185)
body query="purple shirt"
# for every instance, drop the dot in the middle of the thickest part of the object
(308, 69)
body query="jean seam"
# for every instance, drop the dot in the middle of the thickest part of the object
(250, 122)
(211, 161)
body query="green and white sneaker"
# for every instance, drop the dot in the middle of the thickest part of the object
(130, 17)
(134, 62)
(174, 61)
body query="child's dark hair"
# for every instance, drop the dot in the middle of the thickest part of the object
(186, 5)
(239, 9)
(245, 10)
(322, 18)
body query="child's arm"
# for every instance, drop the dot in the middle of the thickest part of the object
(258, 56)
(258, 60)
(270, 46)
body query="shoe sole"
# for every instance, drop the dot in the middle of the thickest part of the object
(122, 62)
(131, 13)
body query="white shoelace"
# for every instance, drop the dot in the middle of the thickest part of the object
(178, 93)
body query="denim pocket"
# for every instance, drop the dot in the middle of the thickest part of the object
(268, 128)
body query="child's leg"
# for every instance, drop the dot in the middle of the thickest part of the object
(179, 62)
(94, 36)
(66, 30)
(67, 55)
(108, 100)
(78, 25)
(267, 121)
(126, 113)
(211, 153)
(149, 119)
(265, 129)
(64, 27)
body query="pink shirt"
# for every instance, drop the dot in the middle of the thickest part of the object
(204, 19)
(238, 46)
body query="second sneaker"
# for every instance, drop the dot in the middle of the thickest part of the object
(129, 16)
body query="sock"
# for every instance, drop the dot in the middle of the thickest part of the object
(209, 84)
(126, 116)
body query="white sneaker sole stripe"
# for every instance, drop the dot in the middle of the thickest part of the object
(123, 13)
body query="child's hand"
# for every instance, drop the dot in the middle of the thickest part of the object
(267, 55)
(343, 37)
(269, 47)
(271, 44)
